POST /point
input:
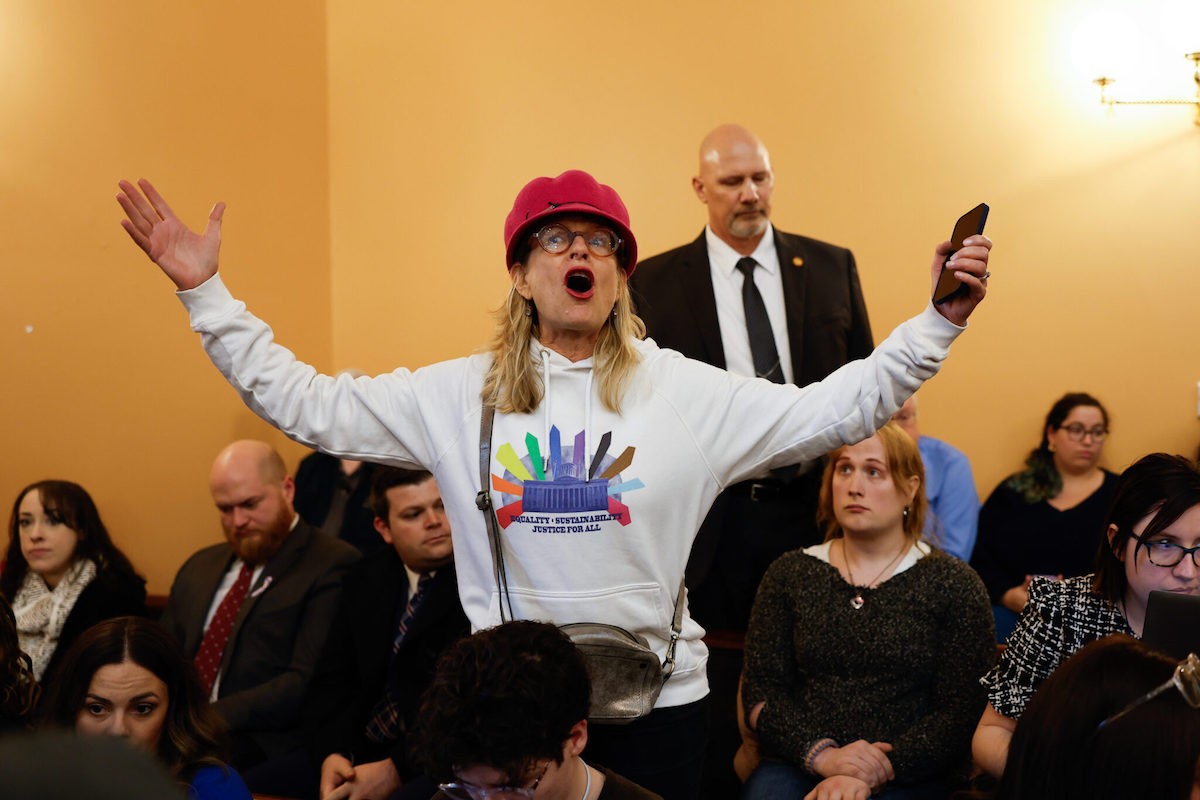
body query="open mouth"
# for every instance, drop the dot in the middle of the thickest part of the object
(580, 283)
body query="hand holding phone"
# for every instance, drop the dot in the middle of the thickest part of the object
(948, 286)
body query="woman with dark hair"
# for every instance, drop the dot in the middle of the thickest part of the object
(127, 677)
(1155, 517)
(1086, 736)
(864, 653)
(1046, 519)
(62, 572)
(18, 686)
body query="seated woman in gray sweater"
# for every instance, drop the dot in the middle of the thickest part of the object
(864, 653)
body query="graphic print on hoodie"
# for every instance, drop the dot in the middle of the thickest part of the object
(563, 492)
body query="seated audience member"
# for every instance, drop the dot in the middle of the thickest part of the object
(953, 513)
(62, 572)
(1154, 517)
(253, 614)
(334, 494)
(506, 715)
(1047, 519)
(127, 677)
(18, 687)
(399, 612)
(864, 653)
(1090, 733)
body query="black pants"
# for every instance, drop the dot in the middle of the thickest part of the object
(749, 526)
(663, 751)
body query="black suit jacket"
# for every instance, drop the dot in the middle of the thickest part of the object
(827, 326)
(277, 635)
(353, 670)
(826, 315)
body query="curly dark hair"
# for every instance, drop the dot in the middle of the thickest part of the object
(1040, 479)
(506, 698)
(71, 503)
(18, 686)
(193, 735)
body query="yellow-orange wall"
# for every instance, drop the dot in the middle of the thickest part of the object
(369, 151)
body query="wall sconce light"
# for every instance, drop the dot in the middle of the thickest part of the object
(1104, 82)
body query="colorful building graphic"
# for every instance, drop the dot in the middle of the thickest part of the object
(562, 483)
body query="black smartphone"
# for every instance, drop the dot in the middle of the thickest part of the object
(969, 224)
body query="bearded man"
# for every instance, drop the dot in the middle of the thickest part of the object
(253, 613)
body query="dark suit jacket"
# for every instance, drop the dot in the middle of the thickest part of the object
(827, 326)
(352, 672)
(278, 633)
(826, 315)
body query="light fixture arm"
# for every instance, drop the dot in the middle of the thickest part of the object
(1104, 82)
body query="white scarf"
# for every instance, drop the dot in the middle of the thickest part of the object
(41, 611)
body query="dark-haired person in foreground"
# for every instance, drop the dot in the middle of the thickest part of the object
(1092, 732)
(127, 678)
(506, 715)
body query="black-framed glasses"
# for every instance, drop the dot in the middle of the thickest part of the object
(469, 791)
(1165, 553)
(1076, 432)
(556, 238)
(1186, 679)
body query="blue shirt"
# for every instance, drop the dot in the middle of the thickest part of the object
(953, 518)
(217, 783)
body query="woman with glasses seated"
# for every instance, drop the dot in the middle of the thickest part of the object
(1117, 721)
(1047, 519)
(1150, 544)
(864, 653)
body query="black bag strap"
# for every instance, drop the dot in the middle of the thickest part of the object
(483, 501)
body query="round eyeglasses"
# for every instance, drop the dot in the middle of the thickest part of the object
(1186, 679)
(1077, 432)
(556, 238)
(1165, 553)
(469, 791)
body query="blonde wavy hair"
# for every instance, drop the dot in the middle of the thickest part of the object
(514, 385)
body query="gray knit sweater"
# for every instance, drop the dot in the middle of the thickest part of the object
(902, 669)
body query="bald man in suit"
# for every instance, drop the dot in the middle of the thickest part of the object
(691, 299)
(293, 582)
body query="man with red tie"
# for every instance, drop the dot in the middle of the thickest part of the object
(253, 613)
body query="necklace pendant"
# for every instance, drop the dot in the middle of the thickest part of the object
(857, 601)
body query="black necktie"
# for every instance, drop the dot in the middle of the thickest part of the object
(758, 325)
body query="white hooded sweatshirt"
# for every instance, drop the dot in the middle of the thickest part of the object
(598, 509)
